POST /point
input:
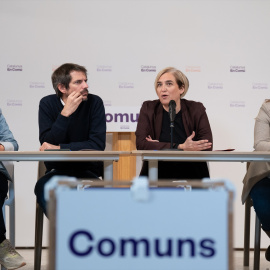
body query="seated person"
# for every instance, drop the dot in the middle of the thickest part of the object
(9, 257)
(192, 130)
(257, 179)
(70, 119)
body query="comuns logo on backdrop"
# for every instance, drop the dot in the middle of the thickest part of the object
(215, 86)
(36, 85)
(14, 67)
(104, 68)
(14, 102)
(237, 104)
(260, 86)
(126, 85)
(237, 69)
(148, 68)
(193, 69)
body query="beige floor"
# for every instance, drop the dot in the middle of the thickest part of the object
(238, 260)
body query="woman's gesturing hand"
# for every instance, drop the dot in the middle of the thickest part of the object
(149, 139)
(190, 145)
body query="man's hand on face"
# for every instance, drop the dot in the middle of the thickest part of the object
(46, 146)
(72, 103)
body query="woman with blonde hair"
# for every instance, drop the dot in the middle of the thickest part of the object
(257, 179)
(191, 131)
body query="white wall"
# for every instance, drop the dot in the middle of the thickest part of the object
(116, 40)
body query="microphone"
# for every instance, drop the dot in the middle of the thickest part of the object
(172, 106)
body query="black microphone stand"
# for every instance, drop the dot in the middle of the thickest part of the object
(172, 106)
(172, 126)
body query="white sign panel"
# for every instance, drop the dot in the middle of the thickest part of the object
(108, 229)
(121, 118)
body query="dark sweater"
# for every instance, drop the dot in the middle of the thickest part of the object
(84, 129)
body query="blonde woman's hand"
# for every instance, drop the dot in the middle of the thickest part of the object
(190, 145)
(149, 139)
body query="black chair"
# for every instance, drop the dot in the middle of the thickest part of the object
(39, 223)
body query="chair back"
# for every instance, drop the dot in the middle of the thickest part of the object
(39, 223)
(41, 169)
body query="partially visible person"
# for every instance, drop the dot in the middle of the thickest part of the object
(192, 130)
(9, 257)
(257, 179)
(70, 119)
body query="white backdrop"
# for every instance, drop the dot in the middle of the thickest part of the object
(222, 47)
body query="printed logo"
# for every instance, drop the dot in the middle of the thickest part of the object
(36, 85)
(14, 68)
(263, 86)
(122, 117)
(83, 243)
(218, 86)
(126, 85)
(237, 69)
(238, 104)
(124, 126)
(148, 69)
(14, 102)
(193, 69)
(103, 68)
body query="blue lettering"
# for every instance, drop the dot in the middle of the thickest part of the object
(167, 252)
(181, 244)
(207, 245)
(134, 243)
(142, 247)
(74, 249)
(110, 245)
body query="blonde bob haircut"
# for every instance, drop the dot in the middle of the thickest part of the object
(179, 76)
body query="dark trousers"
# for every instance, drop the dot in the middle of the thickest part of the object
(260, 194)
(39, 188)
(3, 195)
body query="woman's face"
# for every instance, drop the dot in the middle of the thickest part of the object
(168, 89)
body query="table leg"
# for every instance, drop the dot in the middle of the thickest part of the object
(108, 170)
(153, 170)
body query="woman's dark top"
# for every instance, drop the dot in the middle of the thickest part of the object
(154, 121)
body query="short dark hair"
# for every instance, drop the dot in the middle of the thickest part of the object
(62, 76)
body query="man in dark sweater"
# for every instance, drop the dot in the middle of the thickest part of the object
(70, 119)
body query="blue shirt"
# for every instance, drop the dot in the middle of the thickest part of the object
(8, 141)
